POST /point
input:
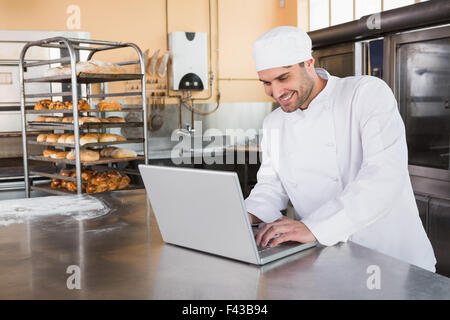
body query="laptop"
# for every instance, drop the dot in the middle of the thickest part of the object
(205, 210)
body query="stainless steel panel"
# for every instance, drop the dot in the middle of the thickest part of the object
(439, 215)
(337, 60)
(423, 83)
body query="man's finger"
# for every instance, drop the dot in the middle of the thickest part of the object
(272, 231)
(267, 226)
(262, 232)
(282, 238)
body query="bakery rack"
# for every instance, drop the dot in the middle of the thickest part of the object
(74, 47)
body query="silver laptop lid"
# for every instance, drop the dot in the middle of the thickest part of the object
(201, 209)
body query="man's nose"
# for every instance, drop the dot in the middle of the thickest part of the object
(277, 91)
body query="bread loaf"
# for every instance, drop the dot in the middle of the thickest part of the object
(106, 152)
(109, 106)
(40, 119)
(123, 153)
(70, 139)
(59, 155)
(53, 119)
(108, 137)
(83, 120)
(88, 138)
(111, 137)
(52, 138)
(115, 119)
(71, 155)
(42, 137)
(89, 155)
(48, 153)
(62, 138)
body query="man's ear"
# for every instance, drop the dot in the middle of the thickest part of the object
(309, 64)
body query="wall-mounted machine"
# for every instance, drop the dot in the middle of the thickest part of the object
(189, 65)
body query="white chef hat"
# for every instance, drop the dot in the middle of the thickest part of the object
(280, 47)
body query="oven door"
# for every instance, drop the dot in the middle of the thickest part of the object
(421, 81)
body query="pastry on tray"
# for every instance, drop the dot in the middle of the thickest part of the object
(42, 105)
(93, 66)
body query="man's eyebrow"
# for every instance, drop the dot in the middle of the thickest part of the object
(277, 78)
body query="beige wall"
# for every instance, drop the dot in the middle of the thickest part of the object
(143, 22)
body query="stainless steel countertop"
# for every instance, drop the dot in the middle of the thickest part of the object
(121, 256)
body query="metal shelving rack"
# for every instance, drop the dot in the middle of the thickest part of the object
(73, 46)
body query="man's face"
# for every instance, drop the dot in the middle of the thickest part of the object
(290, 86)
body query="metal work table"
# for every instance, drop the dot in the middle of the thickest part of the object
(121, 256)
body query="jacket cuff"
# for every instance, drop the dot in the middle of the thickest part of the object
(335, 228)
(264, 212)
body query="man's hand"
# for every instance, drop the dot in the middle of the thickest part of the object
(288, 229)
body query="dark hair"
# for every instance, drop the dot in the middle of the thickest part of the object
(301, 64)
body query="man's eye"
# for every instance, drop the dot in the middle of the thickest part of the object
(283, 78)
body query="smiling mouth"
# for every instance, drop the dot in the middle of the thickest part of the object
(287, 97)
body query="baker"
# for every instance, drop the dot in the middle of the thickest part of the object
(336, 149)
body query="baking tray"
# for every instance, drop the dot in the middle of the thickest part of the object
(48, 189)
(68, 145)
(55, 175)
(69, 111)
(89, 125)
(88, 78)
(84, 163)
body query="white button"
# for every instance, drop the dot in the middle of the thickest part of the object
(336, 179)
(328, 108)
(195, 83)
(330, 144)
(187, 83)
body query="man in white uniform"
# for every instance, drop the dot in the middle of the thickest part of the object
(336, 149)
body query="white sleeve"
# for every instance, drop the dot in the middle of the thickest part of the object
(383, 173)
(268, 197)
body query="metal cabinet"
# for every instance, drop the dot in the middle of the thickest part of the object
(422, 205)
(438, 232)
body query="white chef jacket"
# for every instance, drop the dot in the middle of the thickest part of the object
(343, 164)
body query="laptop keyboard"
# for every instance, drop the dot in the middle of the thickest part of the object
(263, 249)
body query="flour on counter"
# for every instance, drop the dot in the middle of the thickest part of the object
(78, 207)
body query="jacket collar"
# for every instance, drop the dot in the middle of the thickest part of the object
(317, 101)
